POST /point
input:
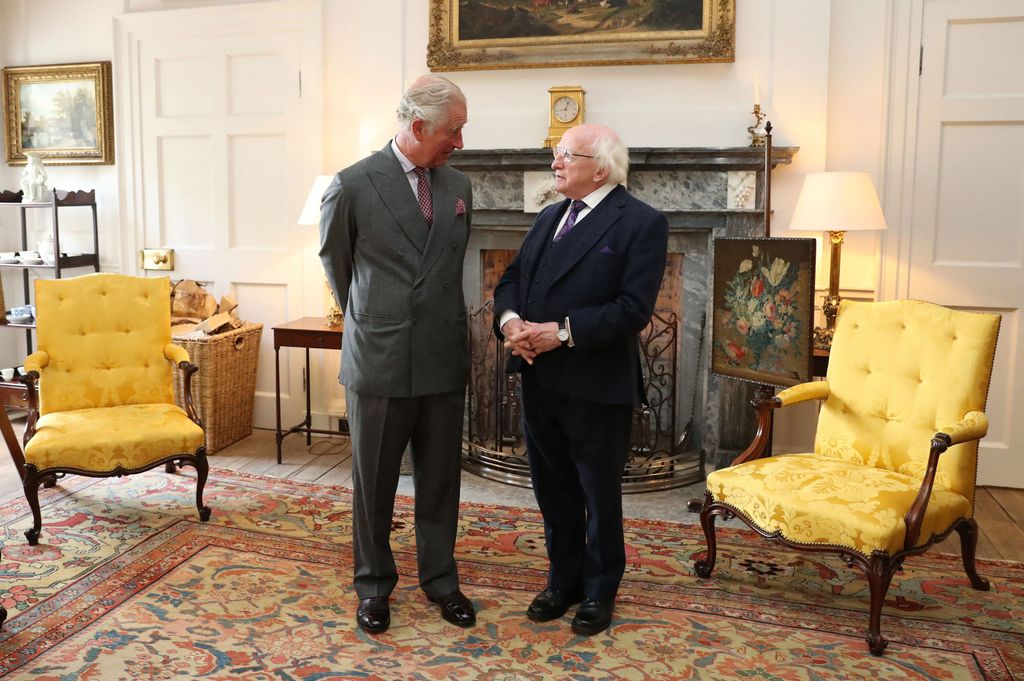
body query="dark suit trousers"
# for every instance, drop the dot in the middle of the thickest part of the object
(381, 427)
(577, 451)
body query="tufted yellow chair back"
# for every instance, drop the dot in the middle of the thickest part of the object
(105, 336)
(898, 372)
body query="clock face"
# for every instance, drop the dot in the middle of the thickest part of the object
(566, 109)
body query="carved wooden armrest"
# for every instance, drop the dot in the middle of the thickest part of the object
(186, 391)
(34, 364)
(180, 357)
(764, 402)
(812, 390)
(973, 426)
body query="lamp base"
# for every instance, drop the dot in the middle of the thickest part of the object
(334, 317)
(822, 338)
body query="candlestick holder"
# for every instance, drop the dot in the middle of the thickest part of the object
(757, 131)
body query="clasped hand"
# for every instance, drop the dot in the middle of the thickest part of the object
(529, 339)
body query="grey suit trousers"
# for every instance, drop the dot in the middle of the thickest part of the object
(380, 428)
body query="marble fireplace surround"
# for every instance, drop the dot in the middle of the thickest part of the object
(706, 193)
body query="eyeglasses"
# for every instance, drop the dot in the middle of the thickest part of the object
(568, 156)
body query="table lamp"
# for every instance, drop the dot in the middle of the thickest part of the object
(836, 202)
(310, 215)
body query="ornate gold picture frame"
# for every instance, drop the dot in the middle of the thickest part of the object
(64, 111)
(510, 34)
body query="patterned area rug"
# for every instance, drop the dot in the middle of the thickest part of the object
(127, 584)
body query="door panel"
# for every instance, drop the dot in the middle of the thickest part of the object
(224, 158)
(967, 220)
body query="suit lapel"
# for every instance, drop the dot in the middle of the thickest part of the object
(443, 196)
(543, 234)
(393, 188)
(583, 238)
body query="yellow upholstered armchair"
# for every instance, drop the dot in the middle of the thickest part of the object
(101, 397)
(895, 452)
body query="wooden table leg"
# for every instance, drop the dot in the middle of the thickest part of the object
(13, 446)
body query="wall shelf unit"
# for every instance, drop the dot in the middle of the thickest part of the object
(57, 200)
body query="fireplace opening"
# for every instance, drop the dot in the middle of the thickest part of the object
(663, 453)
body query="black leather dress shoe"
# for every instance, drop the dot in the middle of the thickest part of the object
(456, 608)
(593, 617)
(550, 604)
(374, 614)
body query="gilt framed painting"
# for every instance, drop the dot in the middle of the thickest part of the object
(64, 112)
(763, 310)
(509, 34)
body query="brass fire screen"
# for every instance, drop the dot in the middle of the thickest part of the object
(494, 446)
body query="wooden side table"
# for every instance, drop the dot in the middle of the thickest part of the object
(307, 332)
(13, 395)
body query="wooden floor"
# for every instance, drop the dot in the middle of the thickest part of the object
(999, 511)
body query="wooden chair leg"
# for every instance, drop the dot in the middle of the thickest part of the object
(3, 615)
(170, 467)
(31, 486)
(879, 576)
(704, 566)
(968, 530)
(202, 472)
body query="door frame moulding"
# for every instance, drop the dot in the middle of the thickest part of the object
(900, 146)
(133, 28)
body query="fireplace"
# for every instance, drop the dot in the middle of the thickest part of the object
(694, 418)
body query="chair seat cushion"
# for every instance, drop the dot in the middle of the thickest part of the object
(130, 436)
(818, 500)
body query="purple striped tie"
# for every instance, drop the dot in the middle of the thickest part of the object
(570, 221)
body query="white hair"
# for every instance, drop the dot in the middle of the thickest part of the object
(429, 99)
(611, 153)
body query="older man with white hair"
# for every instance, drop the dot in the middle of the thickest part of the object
(570, 307)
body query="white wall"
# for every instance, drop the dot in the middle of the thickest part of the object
(820, 66)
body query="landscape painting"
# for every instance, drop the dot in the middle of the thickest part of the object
(63, 112)
(492, 34)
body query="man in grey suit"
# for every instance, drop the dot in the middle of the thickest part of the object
(393, 232)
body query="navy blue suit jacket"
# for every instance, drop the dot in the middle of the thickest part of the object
(604, 275)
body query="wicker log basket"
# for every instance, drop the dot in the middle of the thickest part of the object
(225, 386)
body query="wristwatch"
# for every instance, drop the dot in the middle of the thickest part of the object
(563, 334)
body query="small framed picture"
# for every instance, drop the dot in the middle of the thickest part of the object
(763, 310)
(64, 112)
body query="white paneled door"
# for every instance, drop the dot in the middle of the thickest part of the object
(223, 146)
(966, 236)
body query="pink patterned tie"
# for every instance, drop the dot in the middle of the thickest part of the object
(574, 211)
(423, 194)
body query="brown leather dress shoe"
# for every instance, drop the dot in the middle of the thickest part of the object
(550, 604)
(456, 608)
(374, 614)
(593, 617)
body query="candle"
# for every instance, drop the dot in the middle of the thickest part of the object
(757, 90)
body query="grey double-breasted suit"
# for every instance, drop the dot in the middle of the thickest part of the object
(405, 359)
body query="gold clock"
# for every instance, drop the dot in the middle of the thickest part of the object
(564, 112)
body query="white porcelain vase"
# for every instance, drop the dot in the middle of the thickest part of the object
(33, 179)
(46, 248)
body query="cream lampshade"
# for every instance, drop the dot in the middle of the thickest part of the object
(310, 215)
(836, 202)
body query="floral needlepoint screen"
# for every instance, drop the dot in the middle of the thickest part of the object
(763, 319)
